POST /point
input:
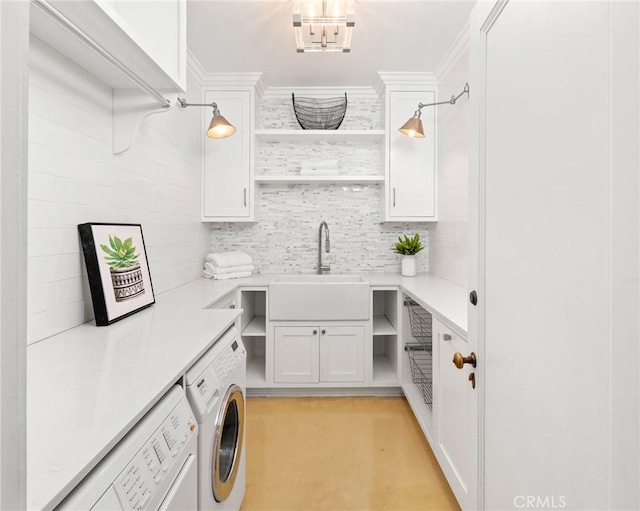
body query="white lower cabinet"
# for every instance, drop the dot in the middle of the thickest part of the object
(455, 414)
(296, 354)
(319, 354)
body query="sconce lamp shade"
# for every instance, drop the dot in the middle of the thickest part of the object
(413, 127)
(219, 126)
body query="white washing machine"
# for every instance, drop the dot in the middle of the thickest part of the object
(152, 468)
(216, 387)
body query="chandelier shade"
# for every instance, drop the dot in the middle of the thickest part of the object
(323, 25)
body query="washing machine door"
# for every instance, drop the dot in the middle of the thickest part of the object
(228, 443)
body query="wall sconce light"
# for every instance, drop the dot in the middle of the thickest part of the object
(219, 127)
(323, 25)
(413, 127)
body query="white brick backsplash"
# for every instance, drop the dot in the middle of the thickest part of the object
(284, 237)
(75, 178)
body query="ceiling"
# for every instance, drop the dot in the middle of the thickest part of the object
(236, 36)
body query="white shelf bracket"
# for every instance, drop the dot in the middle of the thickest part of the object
(130, 108)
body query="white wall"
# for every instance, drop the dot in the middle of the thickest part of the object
(75, 178)
(448, 239)
(285, 235)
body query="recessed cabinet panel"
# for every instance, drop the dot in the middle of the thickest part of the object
(227, 162)
(456, 416)
(342, 354)
(296, 355)
(411, 182)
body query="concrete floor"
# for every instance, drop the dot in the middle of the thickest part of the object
(336, 454)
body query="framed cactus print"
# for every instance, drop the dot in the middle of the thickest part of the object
(117, 269)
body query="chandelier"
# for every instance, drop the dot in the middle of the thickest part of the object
(323, 25)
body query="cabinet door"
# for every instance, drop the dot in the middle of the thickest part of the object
(296, 354)
(456, 419)
(411, 179)
(342, 354)
(227, 162)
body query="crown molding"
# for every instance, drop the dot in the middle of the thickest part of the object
(255, 80)
(282, 92)
(387, 78)
(453, 54)
(194, 66)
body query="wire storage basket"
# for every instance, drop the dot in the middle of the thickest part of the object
(319, 114)
(420, 322)
(421, 363)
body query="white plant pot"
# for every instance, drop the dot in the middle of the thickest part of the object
(408, 266)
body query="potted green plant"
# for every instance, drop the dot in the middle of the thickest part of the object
(126, 275)
(408, 248)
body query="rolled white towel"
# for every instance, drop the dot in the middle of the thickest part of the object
(320, 172)
(235, 275)
(228, 259)
(319, 164)
(216, 270)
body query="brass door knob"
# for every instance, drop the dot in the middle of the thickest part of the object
(459, 361)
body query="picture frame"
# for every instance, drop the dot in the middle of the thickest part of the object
(118, 270)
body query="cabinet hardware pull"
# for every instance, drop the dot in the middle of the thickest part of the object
(472, 379)
(446, 337)
(473, 298)
(232, 306)
(315, 332)
(394, 197)
(459, 361)
(324, 332)
(245, 197)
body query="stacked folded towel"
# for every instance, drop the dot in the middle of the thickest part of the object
(320, 168)
(228, 265)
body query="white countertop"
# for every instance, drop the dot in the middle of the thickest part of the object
(88, 386)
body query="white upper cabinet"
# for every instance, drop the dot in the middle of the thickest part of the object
(149, 38)
(411, 163)
(227, 178)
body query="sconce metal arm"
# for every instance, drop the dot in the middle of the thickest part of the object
(184, 104)
(451, 101)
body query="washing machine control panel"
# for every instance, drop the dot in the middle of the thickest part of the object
(227, 361)
(142, 482)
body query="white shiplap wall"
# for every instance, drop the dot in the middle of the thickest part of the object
(74, 178)
(284, 237)
(449, 237)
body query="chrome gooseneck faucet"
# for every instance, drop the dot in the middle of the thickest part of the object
(327, 246)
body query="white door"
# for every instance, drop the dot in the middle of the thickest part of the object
(456, 416)
(342, 354)
(555, 170)
(296, 354)
(227, 162)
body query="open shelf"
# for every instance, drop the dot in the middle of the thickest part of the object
(318, 179)
(382, 326)
(255, 328)
(256, 372)
(383, 374)
(318, 135)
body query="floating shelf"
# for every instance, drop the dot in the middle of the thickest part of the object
(382, 326)
(318, 135)
(255, 328)
(319, 179)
